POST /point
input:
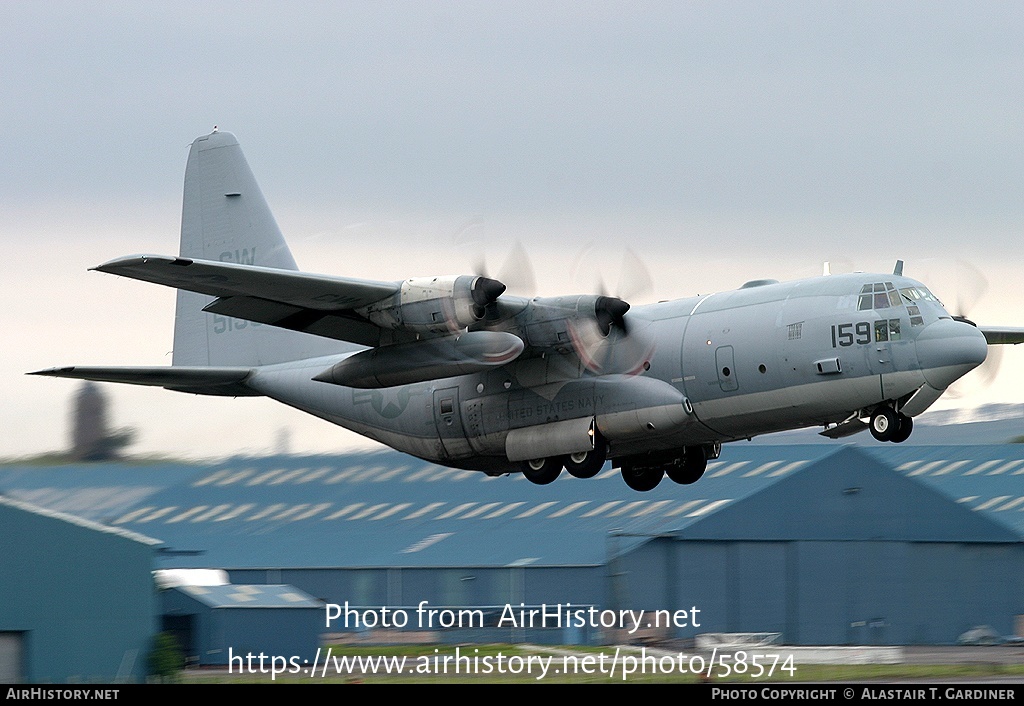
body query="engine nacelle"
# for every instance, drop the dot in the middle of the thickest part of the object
(435, 304)
(430, 359)
(554, 322)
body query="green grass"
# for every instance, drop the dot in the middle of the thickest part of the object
(432, 656)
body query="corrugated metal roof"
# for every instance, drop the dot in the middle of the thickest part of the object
(387, 509)
(80, 521)
(333, 511)
(850, 495)
(248, 596)
(94, 491)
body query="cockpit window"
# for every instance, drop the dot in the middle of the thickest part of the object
(878, 295)
(914, 294)
(883, 295)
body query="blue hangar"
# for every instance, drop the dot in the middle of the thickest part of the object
(823, 544)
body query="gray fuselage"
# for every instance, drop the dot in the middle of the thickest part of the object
(694, 371)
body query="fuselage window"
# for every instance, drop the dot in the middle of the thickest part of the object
(894, 329)
(882, 330)
(887, 330)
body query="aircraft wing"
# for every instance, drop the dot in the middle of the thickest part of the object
(228, 381)
(322, 305)
(1002, 334)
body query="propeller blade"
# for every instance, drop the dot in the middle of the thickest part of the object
(971, 286)
(967, 285)
(604, 347)
(480, 266)
(979, 378)
(988, 370)
(517, 272)
(958, 284)
(591, 346)
(635, 282)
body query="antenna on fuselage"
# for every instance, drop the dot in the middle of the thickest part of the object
(898, 270)
(826, 269)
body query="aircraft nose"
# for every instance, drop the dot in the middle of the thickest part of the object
(948, 350)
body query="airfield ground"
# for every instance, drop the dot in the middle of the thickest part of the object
(920, 664)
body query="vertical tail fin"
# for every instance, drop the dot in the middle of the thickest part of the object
(225, 218)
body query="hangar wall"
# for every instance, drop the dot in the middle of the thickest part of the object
(833, 592)
(79, 595)
(460, 586)
(844, 550)
(823, 544)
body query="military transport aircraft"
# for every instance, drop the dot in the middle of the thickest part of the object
(454, 370)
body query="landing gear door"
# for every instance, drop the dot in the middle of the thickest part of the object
(726, 368)
(448, 421)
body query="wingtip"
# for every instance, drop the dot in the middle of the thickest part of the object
(113, 266)
(51, 372)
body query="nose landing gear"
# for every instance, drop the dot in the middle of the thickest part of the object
(889, 425)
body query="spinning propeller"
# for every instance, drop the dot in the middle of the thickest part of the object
(968, 285)
(611, 342)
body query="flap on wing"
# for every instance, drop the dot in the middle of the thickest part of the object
(229, 382)
(340, 325)
(1002, 334)
(228, 279)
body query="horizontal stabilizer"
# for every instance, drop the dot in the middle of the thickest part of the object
(1002, 334)
(229, 382)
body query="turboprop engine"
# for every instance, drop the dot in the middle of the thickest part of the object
(435, 304)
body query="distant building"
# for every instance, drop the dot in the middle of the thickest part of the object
(77, 601)
(218, 625)
(823, 544)
(91, 438)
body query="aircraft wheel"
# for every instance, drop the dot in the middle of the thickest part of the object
(884, 423)
(695, 462)
(906, 425)
(642, 479)
(587, 465)
(542, 470)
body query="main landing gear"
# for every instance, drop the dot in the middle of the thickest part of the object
(889, 425)
(580, 465)
(644, 473)
(589, 464)
(641, 473)
(642, 478)
(543, 470)
(695, 462)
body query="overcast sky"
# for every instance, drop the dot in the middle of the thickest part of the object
(720, 141)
